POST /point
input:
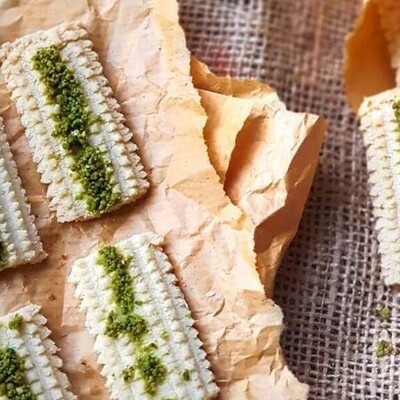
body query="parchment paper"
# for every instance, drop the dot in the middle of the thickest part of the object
(209, 240)
(270, 172)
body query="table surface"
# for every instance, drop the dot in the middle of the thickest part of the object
(329, 285)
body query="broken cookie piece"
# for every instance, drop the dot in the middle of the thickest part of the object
(29, 368)
(73, 123)
(143, 328)
(19, 240)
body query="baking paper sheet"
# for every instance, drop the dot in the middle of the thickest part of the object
(209, 235)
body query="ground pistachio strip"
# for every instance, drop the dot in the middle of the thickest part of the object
(29, 368)
(19, 240)
(73, 123)
(380, 122)
(143, 328)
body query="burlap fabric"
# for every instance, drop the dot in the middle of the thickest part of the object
(329, 285)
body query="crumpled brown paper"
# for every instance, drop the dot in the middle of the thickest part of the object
(209, 236)
(367, 62)
(272, 166)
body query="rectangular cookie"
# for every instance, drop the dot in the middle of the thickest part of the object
(380, 122)
(74, 124)
(19, 240)
(29, 368)
(143, 328)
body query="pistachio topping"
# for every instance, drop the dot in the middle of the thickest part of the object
(13, 384)
(125, 322)
(151, 369)
(186, 375)
(73, 125)
(3, 253)
(16, 322)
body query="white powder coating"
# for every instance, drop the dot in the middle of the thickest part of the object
(166, 311)
(113, 139)
(32, 343)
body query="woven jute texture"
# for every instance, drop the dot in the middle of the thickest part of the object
(329, 285)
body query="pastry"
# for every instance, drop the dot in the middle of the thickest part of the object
(74, 125)
(143, 328)
(19, 240)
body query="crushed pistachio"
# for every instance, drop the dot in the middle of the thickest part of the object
(117, 267)
(73, 124)
(384, 313)
(132, 325)
(164, 335)
(189, 315)
(3, 253)
(123, 321)
(396, 109)
(383, 348)
(151, 369)
(186, 375)
(128, 374)
(16, 322)
(13, 384)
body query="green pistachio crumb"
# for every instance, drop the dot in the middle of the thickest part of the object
(151, 369)
(186, 375)
(13, 384)
(73, 124)
(384, 313)
(16, 322)
(132, 325)
(128, 374)
(164, 335)
(124, 321)
(383, 348)
(3, 253)
(189, 315)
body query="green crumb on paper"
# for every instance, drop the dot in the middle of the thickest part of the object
(383, 348)
(16, 322)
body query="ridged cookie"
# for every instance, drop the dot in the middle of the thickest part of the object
(74, 124)
(25, 338)
(380, 122)
(19, 240)
(162, 323)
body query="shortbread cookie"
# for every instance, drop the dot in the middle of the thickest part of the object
(380, 121)
(19, 241)
(143, 328)
(73, 123)
(29, 368)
